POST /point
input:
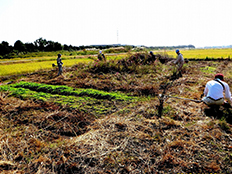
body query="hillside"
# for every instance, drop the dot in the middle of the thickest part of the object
(115, 128)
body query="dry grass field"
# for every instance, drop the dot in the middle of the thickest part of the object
(120, 124)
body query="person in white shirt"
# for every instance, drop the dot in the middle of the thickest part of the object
(214, 91)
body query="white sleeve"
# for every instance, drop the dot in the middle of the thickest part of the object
(206, 89)
(227, 92)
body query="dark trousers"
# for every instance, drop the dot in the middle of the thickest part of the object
(60, 70)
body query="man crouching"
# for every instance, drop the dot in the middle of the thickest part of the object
(214, 92)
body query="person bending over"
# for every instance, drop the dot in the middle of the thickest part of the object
(217, 92)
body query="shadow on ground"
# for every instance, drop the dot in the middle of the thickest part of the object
(222, 113)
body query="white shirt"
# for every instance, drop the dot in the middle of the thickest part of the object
(179, 58)
(215, 90)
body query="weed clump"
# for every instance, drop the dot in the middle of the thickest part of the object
(133, 64)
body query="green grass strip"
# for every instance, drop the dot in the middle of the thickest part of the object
(86, 104)
(65, 90)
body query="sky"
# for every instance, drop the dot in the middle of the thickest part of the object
(133, 22)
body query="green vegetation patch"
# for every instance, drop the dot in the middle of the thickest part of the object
(66, 90)
(208, 69)
(87, 100)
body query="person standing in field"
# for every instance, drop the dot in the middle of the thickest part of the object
(213, 92)
(180, 62)
(59, 63)
(153, 57)
(101, 56)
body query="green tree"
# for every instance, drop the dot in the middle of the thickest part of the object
(57, 46)
(41, 44)
(19, 45)
(30, 47)
(50, 46)
(5, 48)
(66, 47)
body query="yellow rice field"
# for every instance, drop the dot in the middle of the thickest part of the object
(26, 65)
(203, 53)
(18, 68)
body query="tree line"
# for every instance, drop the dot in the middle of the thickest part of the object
(172, 47)
(47, 45)
(42, 45)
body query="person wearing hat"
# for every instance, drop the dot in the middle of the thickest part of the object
(152, 55)
(214, 92)
(101, 56)
(59, 63)
(179, 61)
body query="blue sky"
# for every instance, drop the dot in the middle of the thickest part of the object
(137, 22)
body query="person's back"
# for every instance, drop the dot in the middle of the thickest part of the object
(100, 55)
(104, 58)
(179, 60)
(59, 61)
(214, 91)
